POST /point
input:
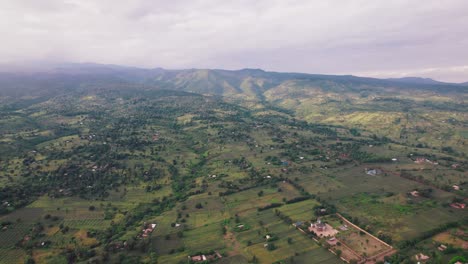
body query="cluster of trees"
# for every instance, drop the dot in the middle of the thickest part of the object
(297, 199)
(324, 209)
(269, 206)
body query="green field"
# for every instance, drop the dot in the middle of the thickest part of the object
(84, 174)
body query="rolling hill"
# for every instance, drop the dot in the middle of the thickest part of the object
(111, 164)
(417, 111)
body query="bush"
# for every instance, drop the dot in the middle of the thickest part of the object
(271, 247)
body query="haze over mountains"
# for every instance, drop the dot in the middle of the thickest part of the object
(401, 109)
(81, 68)
(193, 150)
(229, 132)
(252, 82)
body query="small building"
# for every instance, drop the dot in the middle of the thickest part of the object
(332, 241)
(322, 229)
(147, 230)
(415, 193)
(458, 205)
(456, 187)
(422, 257)
(319, 225)
(298, 223)
(420, 160)
(373, 172)
(442, 247)
(203, 257)
(198, 258)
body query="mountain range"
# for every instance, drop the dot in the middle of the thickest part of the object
(410, 108)
(246, 82)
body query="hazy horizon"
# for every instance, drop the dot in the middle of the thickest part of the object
(360, 37)
(39, 67)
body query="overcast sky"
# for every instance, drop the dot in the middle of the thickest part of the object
(377, 38)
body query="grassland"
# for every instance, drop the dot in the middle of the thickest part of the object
(83, 175)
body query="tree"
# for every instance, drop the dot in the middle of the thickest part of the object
(338, 252)
(271, 246)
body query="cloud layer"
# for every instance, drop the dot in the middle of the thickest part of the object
(380, 38)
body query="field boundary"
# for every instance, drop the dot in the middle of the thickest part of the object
(360, 229)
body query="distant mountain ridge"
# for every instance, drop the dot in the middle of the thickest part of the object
(417, 80)
(244, 83)
(396, 108)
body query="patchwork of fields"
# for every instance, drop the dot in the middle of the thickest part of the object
(156, 176)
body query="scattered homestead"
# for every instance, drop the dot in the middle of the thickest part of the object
(148, 229)
(442, 247)
(422, 160)
(348, 251)
(322, 229)
(188, 177)
(422, 257)
(156, 137)
(372, 172)
(458, 205)
(205, 257)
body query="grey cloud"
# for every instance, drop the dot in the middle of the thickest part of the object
(352, 37)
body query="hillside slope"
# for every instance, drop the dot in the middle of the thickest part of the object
(413, 110)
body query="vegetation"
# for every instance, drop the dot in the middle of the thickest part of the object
(227, 164)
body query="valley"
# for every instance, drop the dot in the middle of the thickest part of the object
(108, 164)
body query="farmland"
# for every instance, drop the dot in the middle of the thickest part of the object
(137, 174)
